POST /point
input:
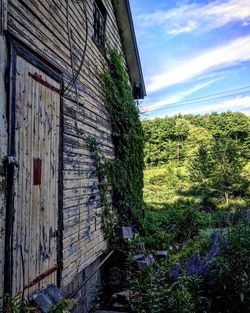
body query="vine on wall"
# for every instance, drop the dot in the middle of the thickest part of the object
(127, 170)
(125, 173)
(102, 172)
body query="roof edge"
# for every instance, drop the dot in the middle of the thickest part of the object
(127, 33)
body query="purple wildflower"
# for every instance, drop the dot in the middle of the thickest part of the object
(197, 266)
(219, 242)
(176, 272)
(200, 266)
(212, 253)
(215, 248)
(215, 237)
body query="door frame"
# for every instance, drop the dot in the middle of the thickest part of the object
(17, 48)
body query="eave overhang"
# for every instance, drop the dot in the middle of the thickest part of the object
(127, 33)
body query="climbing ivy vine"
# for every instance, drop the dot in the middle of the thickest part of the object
(125, 173)
(102, 172)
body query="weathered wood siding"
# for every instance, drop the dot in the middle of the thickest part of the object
(3, 137)
(45, 26)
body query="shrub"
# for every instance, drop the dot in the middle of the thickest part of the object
(197, 245)
(230, 275)
(225, 272)
(158, 295)
(208, 275)
(183, 220)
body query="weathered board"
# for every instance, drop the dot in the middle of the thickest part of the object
(59, 32)
(37, 113)
(3, 137)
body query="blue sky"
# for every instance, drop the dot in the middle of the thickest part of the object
(194, 49)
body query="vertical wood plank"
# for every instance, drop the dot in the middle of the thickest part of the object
(3, 154)
(3, 15)
(36, 212)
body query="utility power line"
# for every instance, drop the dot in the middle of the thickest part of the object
(209, 141)
(208, 152)
(202, 100)
(188, 144)
(210, 97)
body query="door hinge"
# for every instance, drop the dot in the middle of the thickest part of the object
(12, 160)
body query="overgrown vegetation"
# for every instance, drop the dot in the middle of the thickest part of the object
(125, 172)
(19, 304)
(196, 197)
(102, 171)
(197, 208)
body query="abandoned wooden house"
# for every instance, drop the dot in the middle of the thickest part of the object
(50, 99)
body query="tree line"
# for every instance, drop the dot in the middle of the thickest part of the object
(215, 149)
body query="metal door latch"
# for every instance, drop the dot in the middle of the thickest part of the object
(12, 160)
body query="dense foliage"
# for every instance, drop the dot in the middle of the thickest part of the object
(197, 200)
(213, 278)
(214, 149)
(177, 137)
(20, 304)
(126, 171)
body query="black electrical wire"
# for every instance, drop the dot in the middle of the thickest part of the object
(70, 85)
(23, 272)
(200, 99)
(208, 152)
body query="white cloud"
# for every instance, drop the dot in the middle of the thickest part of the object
(199, 16)
(236, 104)
(220, 57)
(239, 104)
(153, 105)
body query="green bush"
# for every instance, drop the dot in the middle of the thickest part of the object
(158, 295)
(196, 245)
(183, 220)
(223, 285)
(233, 205)
(173, 224)
(20, 304)
(229, 286)
(17, 304)
(159, 179)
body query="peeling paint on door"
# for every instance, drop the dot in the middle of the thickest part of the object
(37, 108)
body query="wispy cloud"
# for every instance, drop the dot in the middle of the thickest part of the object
(237, 104)
(153, 105)
(199, 16)
(221, 57)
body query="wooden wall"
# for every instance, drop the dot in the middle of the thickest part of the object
(45, 27)
(3, 137)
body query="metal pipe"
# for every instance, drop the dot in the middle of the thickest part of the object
(90, 276)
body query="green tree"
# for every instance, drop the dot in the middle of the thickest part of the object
(217, 170)
(179, 136)
(199, 135)
(180, 133)
(181, 129)
(200, 171)
(227, 168)
(237, 125)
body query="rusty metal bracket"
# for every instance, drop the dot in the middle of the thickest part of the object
(43, 82)
(41, 277)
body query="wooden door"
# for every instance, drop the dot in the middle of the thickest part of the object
(35, 183)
